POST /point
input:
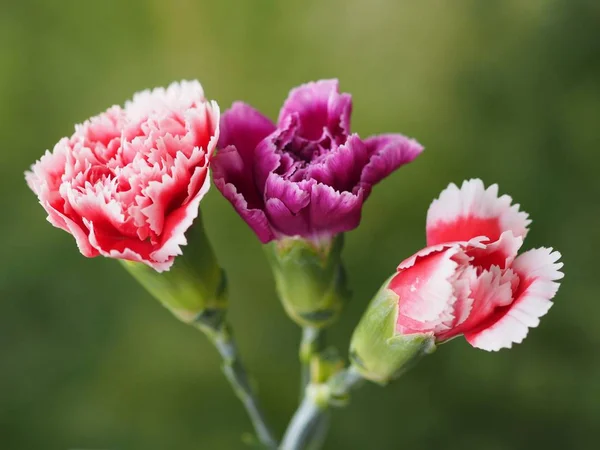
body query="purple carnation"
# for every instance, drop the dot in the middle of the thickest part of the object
(308, 175)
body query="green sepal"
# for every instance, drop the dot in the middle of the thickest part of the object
(195, 288)
(309, 278)
(325, 365)
(377, 352)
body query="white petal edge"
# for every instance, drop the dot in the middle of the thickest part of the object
(540, 267)
(172, 247)
(178, 96)
(435, 296)
(473, 199)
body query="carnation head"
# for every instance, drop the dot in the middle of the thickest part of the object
(128, 183)
(470, 281)
(307, 175)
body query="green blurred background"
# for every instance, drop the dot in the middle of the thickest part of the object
(508, 91)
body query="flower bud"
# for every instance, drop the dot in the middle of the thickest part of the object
(309, 278)
(195, 288)
(377, 351)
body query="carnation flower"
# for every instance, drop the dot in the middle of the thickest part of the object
(469, 281)
(128, 183)
(307, 175)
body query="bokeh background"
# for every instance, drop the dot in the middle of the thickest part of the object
(508, 91)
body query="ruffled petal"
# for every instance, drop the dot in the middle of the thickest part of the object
(271, 150)
(203, 128)
(244, 127)
(387, 153)
(229, 168)
(254, 217)
(171, 190)
(295, 196)
(285, 221)
(321, 108)
(125, 182)
(178, 96)
(490, 290)
(473, 243)
(500, 253)
(286, 205)
(333, 212)
(341, 167)
(113, 245)
(538, 271)
(472, 210)
(176, 224)
(79, 232)
(425, 290)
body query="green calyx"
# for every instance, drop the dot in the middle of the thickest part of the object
(377, 352)
(310, 279)
(195, 288)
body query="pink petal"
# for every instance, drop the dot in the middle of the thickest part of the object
(173, 188)
(462, 307)
(341, 167)
(424, 287)
(96, 204)
(244, 127)
(332, 211)
(79, 232)
(177, 96)
(490, 290)
(500, 253)
(126, 182)
(254, 217)
(114, 246)
(409, 262)
(176, 224)
(472, 210)
(202, 127)
(538, 271)
(320, 107)
(388, 152)
(285, 221)
(294, 195)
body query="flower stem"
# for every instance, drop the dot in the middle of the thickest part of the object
(305, 423)
(308, 426)
(311, 344)
(235, 373)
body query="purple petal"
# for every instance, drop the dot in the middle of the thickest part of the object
(340, 110)
(320, 107)
(270, 150)
(388, 152)
(285, 221)
(286, 203)
(244, 127)
(255, 218)
(229, 166)
(341, 168)
(295, 196)
(333, 212)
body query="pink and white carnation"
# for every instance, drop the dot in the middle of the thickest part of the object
(128, 183)
(470, 279)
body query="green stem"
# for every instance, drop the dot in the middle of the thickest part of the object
(306, 427)
(236, 374)
(311, 344)
(305, 423)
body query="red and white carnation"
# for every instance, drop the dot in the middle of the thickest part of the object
(128, 183)
(470, 279)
